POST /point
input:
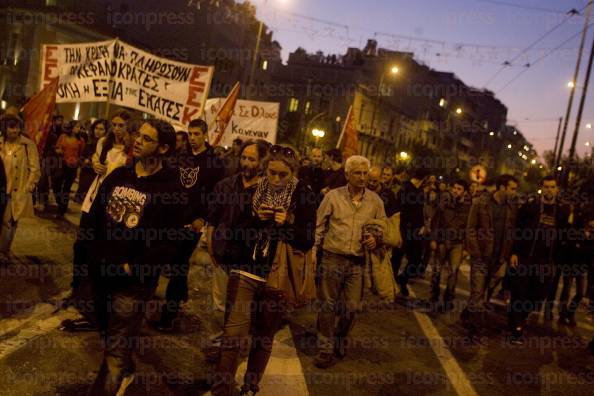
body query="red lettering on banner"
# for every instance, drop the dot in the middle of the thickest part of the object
(51, 63)
(192, 97)
(194, 78)
(188, 115)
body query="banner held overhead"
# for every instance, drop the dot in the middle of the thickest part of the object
(115, 72)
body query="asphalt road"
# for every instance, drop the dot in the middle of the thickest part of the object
(396, 349)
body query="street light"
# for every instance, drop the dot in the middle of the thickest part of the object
(509, 146)
(459, 111)
(571, 84)
(442, 102)
(587, 144)
(318, 134)
(533, 162)
(559, 168)
(491, 133)
(589, 126)
(394, 70)
(403, 155)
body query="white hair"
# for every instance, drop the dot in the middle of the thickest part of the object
(355, 160)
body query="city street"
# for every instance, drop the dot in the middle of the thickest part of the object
(398, 349)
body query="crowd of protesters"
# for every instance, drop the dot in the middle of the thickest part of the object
(149, 194)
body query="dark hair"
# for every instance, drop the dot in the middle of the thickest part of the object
(387, 166)
(399, 169)
(548, 178)
(165, 133)
(462, 183)
(420, 173)
(504, 180)
(124, 115)
(183, 134)
(110, 137)
(334, 154)
(9, 121)
(57, 116)
(70, 125)
(261, 145)
(199, 123)
(237, 141)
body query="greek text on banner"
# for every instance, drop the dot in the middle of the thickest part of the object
(251, 120)
(127, 76)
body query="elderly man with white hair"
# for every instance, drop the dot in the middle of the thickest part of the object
(339, 233)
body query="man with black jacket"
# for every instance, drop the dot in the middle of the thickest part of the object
(199, 171)
(411, 201)
(539, 226)
(135, 225)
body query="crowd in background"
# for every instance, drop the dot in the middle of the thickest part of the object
(254, 199)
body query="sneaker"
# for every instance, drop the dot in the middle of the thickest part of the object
(324, 360)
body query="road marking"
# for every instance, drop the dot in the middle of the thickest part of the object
(456, 375)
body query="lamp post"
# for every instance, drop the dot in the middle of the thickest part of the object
(394, 70)
(318, 134)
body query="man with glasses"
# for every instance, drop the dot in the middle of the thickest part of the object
(135, 222)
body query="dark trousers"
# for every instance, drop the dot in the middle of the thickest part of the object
(177, 288)
(125, 312)
(80, 258)
(413, 249)
(62, 184)
(530, 284)
(578, 272)
(253, 309)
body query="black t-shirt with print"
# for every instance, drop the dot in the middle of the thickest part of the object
(136, 220)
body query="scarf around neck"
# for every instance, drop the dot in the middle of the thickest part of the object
(266, 196)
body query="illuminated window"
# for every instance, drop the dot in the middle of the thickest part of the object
(293, 104)
(265, 65)
(307, 107)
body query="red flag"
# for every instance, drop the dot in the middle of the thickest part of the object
(348, 142)
(225, 113)
(38, 113)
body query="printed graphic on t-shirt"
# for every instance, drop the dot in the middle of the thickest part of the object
(188, 176)
(126, 205)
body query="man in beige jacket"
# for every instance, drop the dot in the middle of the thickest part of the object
(21, 162)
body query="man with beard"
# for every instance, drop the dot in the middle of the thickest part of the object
(200, 169)
(230, 195)
(538, 227)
